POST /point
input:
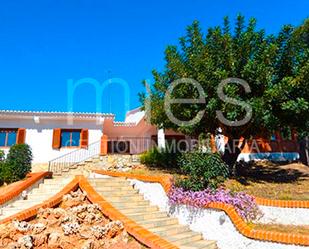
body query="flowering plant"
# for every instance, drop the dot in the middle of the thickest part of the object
(244, 204)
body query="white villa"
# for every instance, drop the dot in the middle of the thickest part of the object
(57, 134)
(54, 134)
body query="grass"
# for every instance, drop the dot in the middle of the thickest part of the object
(262, 179)
(144, 170)
(303, 230)
(274, 181)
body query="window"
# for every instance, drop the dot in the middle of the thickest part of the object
(8, 137)
(70, 138)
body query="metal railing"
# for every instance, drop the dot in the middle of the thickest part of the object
(74, 157)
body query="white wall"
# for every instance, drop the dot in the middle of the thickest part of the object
(273, 156)
(40, 136)
(213, 224)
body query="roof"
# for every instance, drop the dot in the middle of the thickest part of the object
(6, 113)
(134, 116)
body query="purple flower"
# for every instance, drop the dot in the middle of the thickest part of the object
(243, 203)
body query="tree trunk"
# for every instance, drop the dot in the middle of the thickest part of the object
(304, 153)
(231, 153)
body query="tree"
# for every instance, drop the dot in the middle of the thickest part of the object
(275, 67)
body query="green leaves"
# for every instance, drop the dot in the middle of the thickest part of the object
(203, 170)
(17, 164)
(276, 67)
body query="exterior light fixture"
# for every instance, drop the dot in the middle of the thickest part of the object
(36, 119)
(222, 219)
(24, 195)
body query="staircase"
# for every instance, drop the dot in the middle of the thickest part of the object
(75, 161)
(44, 191)
(127, 200)
(81, 168)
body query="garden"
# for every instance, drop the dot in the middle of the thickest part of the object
(202, 178)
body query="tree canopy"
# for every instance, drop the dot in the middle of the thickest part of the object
(276, 67)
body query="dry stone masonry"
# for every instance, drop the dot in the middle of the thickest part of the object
(76, 223)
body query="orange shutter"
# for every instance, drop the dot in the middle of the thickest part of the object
(57, 138)
(21, 136)
(84, 134)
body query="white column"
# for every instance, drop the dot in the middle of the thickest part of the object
(219, 140)
(161, 139)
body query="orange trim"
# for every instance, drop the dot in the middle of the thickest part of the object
(104, 144)
(282, 203)
(239, 223)
(140, 233)
(56, 138)
(21, 136)
(84, 137)
(23, 185)
(51, 202)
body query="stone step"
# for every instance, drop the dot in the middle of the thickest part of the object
(130, 198)
(146, 216)
(58, 180)
(183, 238)
(51, 187)
(31, 202)
(74, 166)
(100, 181)
(124, 205)
(44, 190)
(43, 196)
(55, 183)
(158, 222)
(111, 192)
(115, 188)
(127, 200)
(170, 229)
(111, 184)
(140, 209)
(202, 244)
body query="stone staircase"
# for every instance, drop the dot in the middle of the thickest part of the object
(127, 200)
(82, 168)
(99, 162)
(44, 191)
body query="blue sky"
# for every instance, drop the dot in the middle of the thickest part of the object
(43, 43)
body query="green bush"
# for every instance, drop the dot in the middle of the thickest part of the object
(1, 156)
(203, 170)
(17, 164)
(160, 159)
(2, 163)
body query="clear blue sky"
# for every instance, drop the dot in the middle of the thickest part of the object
(43, 43)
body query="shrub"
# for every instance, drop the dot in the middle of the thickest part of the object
(203, 170)
(2, 163)
(1, 156)
(160, 159)
(17, 163)
(243, 203)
